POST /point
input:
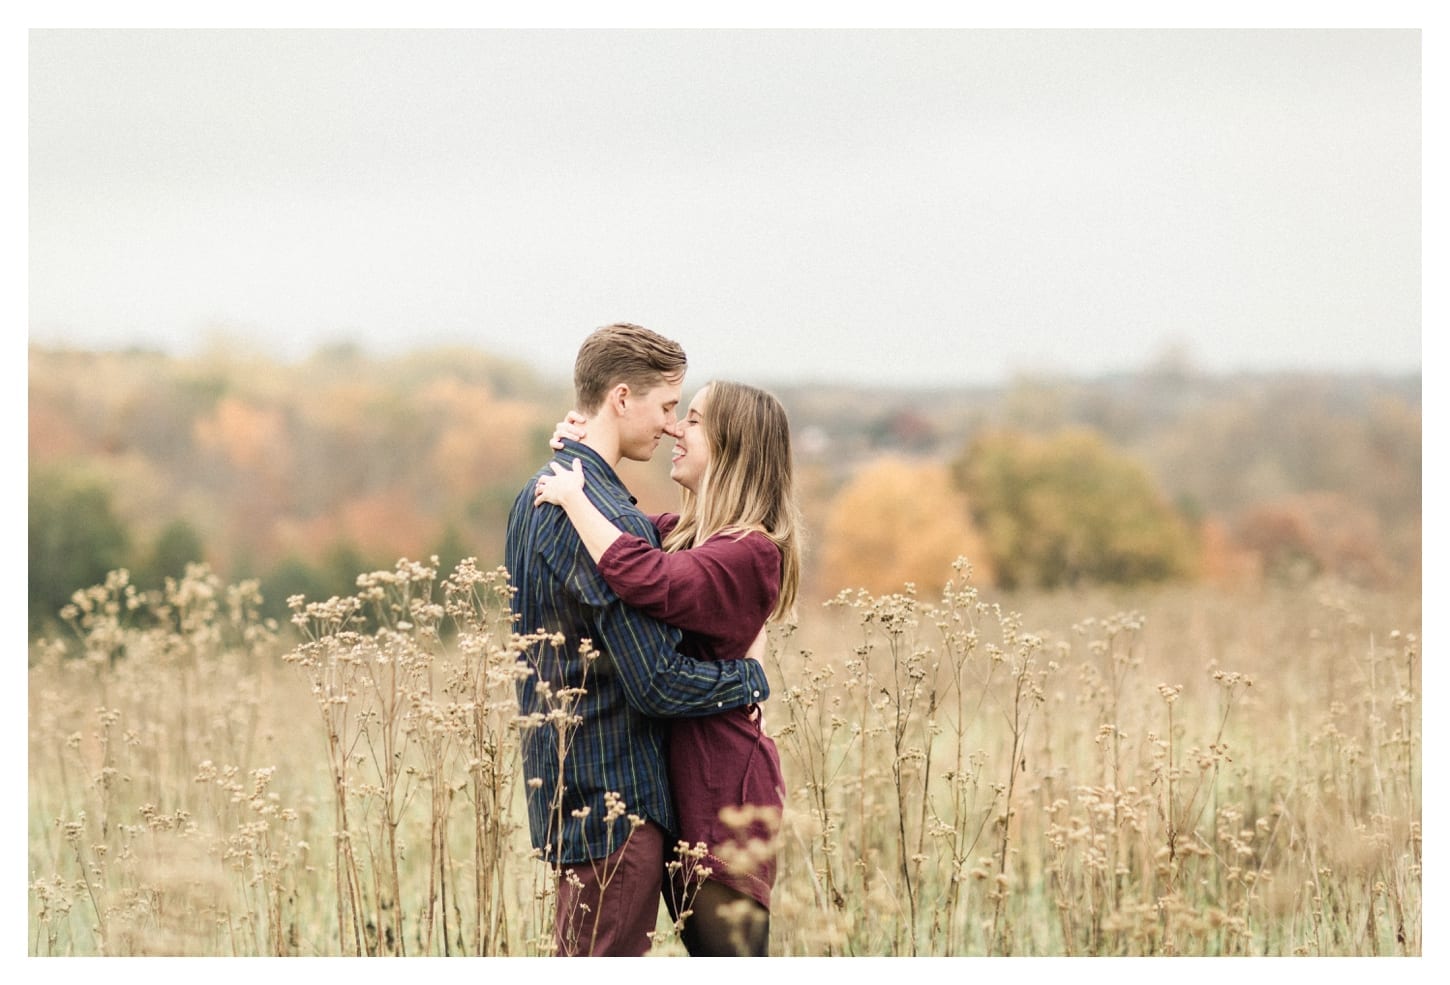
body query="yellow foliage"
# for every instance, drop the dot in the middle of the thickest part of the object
(900, 521)
(1066, 508)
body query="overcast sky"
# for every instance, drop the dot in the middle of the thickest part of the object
(940, 206)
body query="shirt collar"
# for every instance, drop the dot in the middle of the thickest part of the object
(592, 460)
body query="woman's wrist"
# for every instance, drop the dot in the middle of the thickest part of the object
(573, 500)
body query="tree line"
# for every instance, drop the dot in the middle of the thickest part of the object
(303, 475)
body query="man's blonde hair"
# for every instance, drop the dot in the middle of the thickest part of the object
(749, 483)
(624, 353)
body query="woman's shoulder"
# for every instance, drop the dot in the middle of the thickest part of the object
(755, 542)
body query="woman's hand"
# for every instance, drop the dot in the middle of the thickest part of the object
(571, 427)
(562, 484)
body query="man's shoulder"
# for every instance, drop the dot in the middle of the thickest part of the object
(609, 496)
(523, 505)
(620, 509)
(532, 526)
(601, 485)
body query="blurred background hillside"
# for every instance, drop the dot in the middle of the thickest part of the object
(305, 473)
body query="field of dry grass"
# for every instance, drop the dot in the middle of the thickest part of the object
(1185, 771)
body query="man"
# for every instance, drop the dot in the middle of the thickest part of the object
(627, 383)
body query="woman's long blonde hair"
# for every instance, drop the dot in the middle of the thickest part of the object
(749, 482)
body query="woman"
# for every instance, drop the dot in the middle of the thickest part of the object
(730, 562)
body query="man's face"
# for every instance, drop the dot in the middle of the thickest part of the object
(648, 416)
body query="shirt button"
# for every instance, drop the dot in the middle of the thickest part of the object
(755, 694)
(719, 704)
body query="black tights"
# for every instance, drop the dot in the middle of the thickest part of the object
(724, 923)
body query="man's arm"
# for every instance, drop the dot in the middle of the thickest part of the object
(661, 682)
(657, 679)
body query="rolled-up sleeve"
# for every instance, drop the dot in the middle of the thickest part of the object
(728, 579)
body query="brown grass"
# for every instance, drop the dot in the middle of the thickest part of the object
(1202, 773)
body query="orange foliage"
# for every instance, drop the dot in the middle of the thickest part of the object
(480, 437)
(384, 525)
(1223, 561)
(1317, 532)
(249, 438)
(898, 521)
(53, 435)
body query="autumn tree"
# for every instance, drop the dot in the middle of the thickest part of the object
(1066, 508)
(1223, 560)
(245, 455)
(1309, 534)
(898, 521)
(480, 437)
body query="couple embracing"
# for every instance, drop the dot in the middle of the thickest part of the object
(675, 607)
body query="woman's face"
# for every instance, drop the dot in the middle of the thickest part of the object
(692, 452)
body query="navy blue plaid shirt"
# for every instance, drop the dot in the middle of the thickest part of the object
(638, 680)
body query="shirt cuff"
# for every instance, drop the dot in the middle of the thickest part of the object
(757, 686)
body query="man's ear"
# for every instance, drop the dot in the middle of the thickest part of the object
(618, 398)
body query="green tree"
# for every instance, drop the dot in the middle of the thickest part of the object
(1067, 508)
(335, 574)
(451, 547)
(294, 576)
(177, 545)
(75, 539)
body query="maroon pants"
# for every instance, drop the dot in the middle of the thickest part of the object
(608, 907)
